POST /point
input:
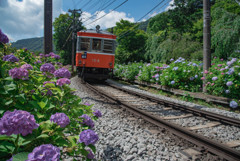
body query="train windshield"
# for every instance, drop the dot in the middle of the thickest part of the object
(96, 44)
(85, 44)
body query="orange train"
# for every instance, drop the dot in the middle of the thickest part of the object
(95, 54)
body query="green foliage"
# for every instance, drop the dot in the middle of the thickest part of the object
(131, 43)
(30, 95)
(187, 75)
(174, 46)
(232, 6)
(62, 33)
(225, 34)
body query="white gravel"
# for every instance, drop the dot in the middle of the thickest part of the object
(124, 137)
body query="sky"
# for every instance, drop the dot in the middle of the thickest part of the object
(21, 19)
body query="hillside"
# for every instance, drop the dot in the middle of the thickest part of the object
(32, 44)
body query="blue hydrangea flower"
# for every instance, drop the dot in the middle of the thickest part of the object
(233, 104)
(191, 78)
(175, 68)
(172, 82)
(229, 83)
(214, 78)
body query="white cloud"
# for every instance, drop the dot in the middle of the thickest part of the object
(170, 5)
(107, 21)
(24, 19)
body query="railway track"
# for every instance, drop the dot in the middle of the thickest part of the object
(134, 102)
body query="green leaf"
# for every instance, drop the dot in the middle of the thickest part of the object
(9, 102)
(93, 148)
(42, 104)
(20, 156)
(42, 136)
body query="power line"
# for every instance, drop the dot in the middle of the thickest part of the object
(99, 12)
(127, 32)
(108, 12)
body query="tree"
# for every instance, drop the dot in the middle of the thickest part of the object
(131, 42)
(62, 35)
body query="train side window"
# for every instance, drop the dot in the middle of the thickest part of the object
(96, 44)
(108, 46)
(85, 44)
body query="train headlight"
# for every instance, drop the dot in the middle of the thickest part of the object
(79, 62)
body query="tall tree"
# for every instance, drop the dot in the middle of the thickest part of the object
(131, 42)
(62, 35)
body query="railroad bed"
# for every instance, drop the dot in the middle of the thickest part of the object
(126, 137)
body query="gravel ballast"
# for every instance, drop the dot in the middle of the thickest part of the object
(124, 137)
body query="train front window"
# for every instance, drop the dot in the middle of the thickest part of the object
(108, 46)
(96, 44)
(85, 44)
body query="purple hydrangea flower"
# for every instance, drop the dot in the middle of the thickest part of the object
(191, 78)
(11, 159)
(49, 92)
(51, 54)
(38, 62)
(17, 122)
(45, 152)
(18, 73)
(231, 71)
(62, 73)
(175, 68)
(172, 82)
(97, 113)
(57, 56)
(214, 78)
(61, 119)
(88, 137)
(196, 76)
(90, 154)
(227, 91)
(229, 83)
(47, 55)
(10, 58)
(233, 104)
(3, 38)
(87, 104)
(87, 121)
(27, 67)
(62, 81)
(171, 59)
(41, 54)
(58, 63)
(47, 67)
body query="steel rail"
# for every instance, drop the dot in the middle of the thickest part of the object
(209, 145)
(207, 114)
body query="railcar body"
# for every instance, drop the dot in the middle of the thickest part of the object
(95, 54)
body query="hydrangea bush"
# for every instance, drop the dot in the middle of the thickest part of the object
(39, 112)
(223, 78)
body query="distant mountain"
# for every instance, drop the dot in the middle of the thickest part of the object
(32, 44)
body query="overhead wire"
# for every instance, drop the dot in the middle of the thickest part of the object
(107, 13)
(99, 11)
(127, 32)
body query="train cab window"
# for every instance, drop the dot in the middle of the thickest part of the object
(108, 46)
(85, 44)
(96, 44)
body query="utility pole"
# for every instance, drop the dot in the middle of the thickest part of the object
(206, 40)
(73, 34)
(47, 26)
